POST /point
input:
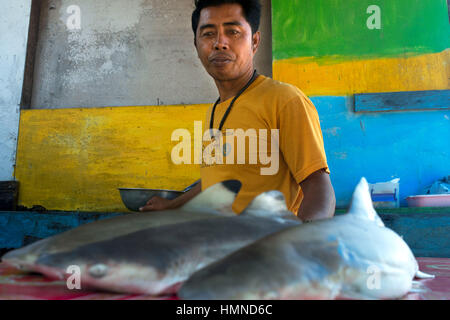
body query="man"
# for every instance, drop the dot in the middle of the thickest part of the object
(226, 39)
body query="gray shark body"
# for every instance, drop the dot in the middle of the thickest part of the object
(348, 256)
(152, 253)
(201, 207)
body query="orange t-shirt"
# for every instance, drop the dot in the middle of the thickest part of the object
(267, 109)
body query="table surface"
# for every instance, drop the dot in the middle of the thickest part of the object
(17, 285)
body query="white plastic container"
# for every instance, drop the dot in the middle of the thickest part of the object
(385, 194)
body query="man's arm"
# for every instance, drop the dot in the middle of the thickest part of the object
(159, 204)
(319, 201)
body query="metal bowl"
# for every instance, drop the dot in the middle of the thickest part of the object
(134, 198)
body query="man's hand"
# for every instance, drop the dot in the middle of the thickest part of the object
(319, 201)
(157, 204)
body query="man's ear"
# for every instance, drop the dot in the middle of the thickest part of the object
(256, 40)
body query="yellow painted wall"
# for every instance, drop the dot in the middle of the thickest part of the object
(75, 159)
(323, 77)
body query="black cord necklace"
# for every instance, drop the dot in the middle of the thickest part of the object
(211, 125)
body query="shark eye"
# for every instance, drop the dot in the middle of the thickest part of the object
(98, 270)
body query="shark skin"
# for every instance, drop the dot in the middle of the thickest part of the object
(214, 202)
(153, 261)
(156, 259)
(353, 256)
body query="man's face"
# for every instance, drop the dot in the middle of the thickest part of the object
(224, 42)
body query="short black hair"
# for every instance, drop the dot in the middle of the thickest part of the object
(252, 11)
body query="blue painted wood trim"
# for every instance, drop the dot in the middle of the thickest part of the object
(18, 229)
(426, 230)
(402, 101)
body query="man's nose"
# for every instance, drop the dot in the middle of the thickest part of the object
(221, 42)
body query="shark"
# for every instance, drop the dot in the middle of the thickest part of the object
(214, 202)
(155, 253)
(350, 256)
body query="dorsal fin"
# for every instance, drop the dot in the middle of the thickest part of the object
(217, 198)
(361, 204)
(268, 204)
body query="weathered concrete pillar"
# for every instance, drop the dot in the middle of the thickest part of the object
(14, 23)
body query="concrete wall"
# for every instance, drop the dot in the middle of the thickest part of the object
(126, 53)
(14, 22)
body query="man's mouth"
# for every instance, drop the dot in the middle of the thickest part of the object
(220, 60)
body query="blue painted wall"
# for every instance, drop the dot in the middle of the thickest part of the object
(412, 146)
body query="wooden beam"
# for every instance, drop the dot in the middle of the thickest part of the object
(33, 35)
(402, 101)
(425, 230)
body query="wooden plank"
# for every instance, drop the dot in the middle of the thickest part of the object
(20, 228)
(406, 211)
(426, 234)
(33, 33)
(425, 230)
(402, 101)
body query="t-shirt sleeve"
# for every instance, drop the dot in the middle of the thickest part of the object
(301, 140)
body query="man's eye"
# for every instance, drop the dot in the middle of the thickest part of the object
(208, 34)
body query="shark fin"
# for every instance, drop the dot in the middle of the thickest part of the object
(422, 275)
(362, 203)
(219, 198)
(270, 204)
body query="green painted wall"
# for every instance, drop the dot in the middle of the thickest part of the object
(338, 28)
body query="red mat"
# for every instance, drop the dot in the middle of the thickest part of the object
(17, 285)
